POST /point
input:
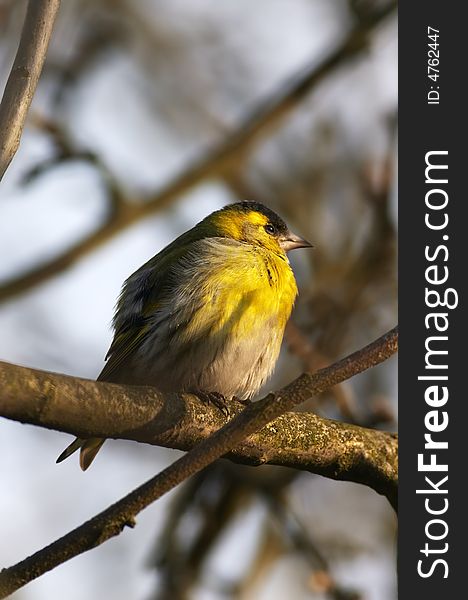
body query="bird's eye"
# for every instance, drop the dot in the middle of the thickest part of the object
(269, 228)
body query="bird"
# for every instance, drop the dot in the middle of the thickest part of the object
(207, 314)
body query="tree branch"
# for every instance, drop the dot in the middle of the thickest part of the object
(22, 82)
(260, 121)
(359, 458)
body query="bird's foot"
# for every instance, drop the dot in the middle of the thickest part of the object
(216, 399)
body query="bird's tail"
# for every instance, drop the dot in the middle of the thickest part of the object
(88, 450)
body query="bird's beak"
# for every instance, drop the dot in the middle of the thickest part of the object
(291, 241)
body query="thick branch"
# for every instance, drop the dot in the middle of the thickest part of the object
(260, 121)
(96, 409)
(253, 418)
(301, 440)
(22, 82)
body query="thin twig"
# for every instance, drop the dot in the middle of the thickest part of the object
(261, 120)
(299, 345)
(112, 521)
(22, 82)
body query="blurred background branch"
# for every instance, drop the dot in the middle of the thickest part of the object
(229, 152)
(21, 85)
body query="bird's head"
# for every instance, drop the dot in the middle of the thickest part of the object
(256, 224)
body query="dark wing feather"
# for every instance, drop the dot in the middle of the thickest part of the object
(141, 294)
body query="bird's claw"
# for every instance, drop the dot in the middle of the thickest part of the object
(216, 399)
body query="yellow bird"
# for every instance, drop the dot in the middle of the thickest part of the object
(207, 314)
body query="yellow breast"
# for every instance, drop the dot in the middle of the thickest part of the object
(245, 288)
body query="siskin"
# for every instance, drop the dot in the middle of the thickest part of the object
(207, 314)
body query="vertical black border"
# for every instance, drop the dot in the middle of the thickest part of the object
(423, 128)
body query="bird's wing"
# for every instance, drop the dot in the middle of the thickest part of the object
(159, 295)
(141, 294)
(122, 347)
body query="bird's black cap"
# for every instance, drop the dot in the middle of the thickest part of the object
(272, 217)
